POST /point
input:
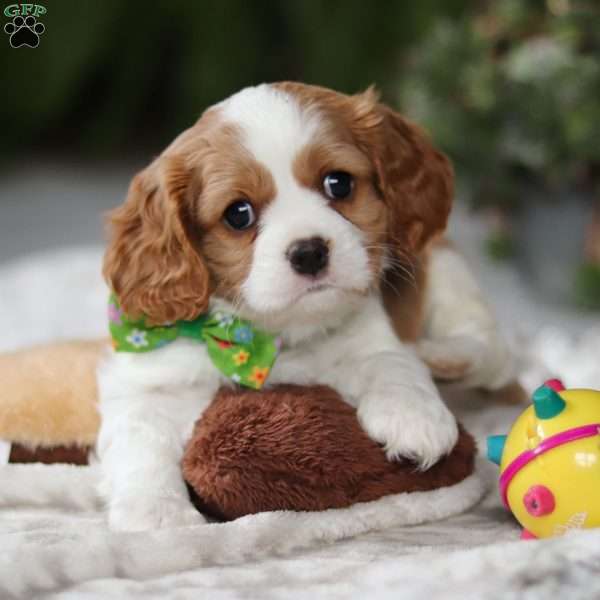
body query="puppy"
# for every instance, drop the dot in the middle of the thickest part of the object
(303, 211)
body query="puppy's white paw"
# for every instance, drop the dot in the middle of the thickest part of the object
(143, 513)
(409, 428)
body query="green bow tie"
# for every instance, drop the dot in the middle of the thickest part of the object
(236, 348)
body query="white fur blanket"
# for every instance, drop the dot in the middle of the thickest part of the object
(54, 541)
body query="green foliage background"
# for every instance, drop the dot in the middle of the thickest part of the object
(110, 76)
(511, 90)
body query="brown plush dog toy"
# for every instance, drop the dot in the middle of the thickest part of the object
(298, 448)
(290, 447)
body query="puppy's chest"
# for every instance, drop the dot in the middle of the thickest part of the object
(317, 362)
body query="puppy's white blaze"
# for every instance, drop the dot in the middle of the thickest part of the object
(274, 125)
(275, 129)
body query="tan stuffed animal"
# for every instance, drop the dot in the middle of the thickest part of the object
(48, 401)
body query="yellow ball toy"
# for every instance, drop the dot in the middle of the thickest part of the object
(550, 462)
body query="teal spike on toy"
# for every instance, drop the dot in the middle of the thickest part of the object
(495, 447)
(547, 403)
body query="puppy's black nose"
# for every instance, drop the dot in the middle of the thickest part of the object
(308, 257)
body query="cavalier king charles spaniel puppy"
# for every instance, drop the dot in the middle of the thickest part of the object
(317, 218)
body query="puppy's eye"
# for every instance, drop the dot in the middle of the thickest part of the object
(239, 215)
(338, 185)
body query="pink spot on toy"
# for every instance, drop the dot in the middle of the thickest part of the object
(527, 535)
(539, 501)
(555, 384)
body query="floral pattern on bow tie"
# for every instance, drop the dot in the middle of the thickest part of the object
(238, 350)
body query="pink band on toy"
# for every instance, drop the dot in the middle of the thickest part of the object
(564, 437)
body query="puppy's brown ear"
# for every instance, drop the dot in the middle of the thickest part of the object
(415, 179)
(417, 182)
(151, 264)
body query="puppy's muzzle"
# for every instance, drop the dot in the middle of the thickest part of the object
(308, 256)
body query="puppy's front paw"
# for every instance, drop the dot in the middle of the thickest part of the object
(412, 429)
(152, 512)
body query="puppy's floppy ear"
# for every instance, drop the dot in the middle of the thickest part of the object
(415, 179)
(151, 264)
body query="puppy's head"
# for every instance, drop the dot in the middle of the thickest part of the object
(286, 200)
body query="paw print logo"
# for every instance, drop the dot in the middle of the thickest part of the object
(24, 31)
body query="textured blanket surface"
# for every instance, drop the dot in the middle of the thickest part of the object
(54, 542)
